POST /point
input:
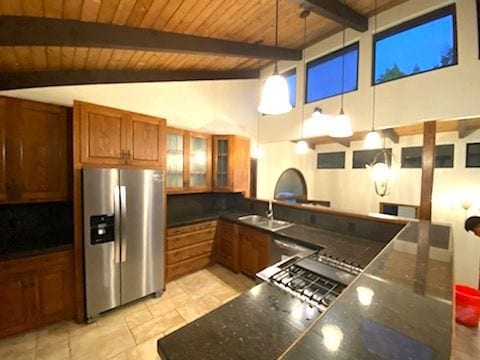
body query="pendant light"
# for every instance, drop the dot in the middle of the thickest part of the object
(372, 139)
(275, 98)
(342, 124)
(301, 147)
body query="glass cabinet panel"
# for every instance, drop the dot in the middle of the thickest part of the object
(222, 163)
(198, 161)
(174, 160)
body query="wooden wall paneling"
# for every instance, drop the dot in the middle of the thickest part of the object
(154, 11)
(138, 12)
(165, 15)
(71, 9)
(32, 8)
(90, 10)
(3, 118)
(107, 11)
(428, 167)
(39, 54)
(124, 9)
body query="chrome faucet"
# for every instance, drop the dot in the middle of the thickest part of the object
(269, 212)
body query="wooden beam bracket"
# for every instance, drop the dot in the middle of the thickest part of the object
(392, 135)
(336, 11)
(467, 127)
(342, 141)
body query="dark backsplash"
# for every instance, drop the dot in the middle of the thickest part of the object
(364, 228)
(27, 227)
(190, 204)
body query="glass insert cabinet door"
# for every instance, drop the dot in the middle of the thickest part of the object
(175, 160)
(221, 175)
(198, 161)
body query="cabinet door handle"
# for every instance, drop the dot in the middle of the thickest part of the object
(129, 155)
(122, 154)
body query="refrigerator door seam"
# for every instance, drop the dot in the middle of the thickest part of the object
(116, 202)
(123, 212)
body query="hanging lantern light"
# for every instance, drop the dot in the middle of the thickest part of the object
(381, 173)
(275, 98)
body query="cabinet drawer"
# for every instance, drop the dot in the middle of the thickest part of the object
(179, 241)
(191, 228)
(188, 266)
(189, 252)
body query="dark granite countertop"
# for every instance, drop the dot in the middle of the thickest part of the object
(259, 324)
(33, 252)
(400, 307)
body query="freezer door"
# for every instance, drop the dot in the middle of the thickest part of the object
(142, 233)
(101, 206)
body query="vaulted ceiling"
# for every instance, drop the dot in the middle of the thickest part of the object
(59, 50)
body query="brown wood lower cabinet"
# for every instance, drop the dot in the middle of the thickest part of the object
(255, 250)
(35, 291)
(242, 248)
(189, 248)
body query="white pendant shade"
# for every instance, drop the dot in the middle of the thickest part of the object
(275, 98)
(257, 152)
(301, 147)
(372, 140)
(341, 126)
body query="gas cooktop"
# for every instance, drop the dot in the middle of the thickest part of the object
(316, 279)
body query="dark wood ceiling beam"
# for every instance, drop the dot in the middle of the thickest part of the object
(336, 11)
(57, 78)
(428, 167)
(36, 31)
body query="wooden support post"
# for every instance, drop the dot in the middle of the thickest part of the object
(428, 167)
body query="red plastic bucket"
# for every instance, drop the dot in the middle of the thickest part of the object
(467, 307)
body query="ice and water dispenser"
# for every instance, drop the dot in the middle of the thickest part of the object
(102, 229)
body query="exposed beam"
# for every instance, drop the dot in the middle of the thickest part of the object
(36, 31)
(342, 141)
(56, 78)
(428, 166)
(467, 127)
(336, 11)
(391, 134)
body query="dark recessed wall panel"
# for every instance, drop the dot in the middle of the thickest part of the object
(366, 157)
(473, 155)
(331, 160)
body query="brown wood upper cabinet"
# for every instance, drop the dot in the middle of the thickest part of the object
(231, 163)
(188, 161)
(114, 137)
(34, 150)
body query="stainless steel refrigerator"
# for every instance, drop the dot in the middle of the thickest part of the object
(123, 216)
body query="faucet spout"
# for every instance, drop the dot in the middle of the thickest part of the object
(269, 212)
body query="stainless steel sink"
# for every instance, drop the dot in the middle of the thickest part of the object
(265, 223)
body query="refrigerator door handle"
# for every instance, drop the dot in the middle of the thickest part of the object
(123, 212)
(116, 220)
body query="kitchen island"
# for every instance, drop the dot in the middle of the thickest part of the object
(399, 307)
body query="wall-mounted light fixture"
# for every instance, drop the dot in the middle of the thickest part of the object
(381, 173)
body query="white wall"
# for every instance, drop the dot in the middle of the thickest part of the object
(221, 106)
(352, 190)
(448, 93)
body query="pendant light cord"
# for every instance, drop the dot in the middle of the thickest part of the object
(374, 86)
(343, 57)
(304, 14)
(275, 69)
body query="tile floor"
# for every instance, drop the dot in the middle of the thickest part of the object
(131, 332)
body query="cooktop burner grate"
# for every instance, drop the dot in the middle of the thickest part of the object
(311, 287)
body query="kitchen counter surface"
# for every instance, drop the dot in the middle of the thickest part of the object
(399, 307)
(33, 252)
(259, 324)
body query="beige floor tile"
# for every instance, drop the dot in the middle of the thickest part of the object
(101, 342)
(175, 328)
(144, 351)
(54, 333)
(157, 326)
(165, 305)
(53, 351)
(225, 293)
(19, 347)
(192, 310)
(138, 318)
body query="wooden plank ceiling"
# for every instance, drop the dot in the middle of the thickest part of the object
(249, 21)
